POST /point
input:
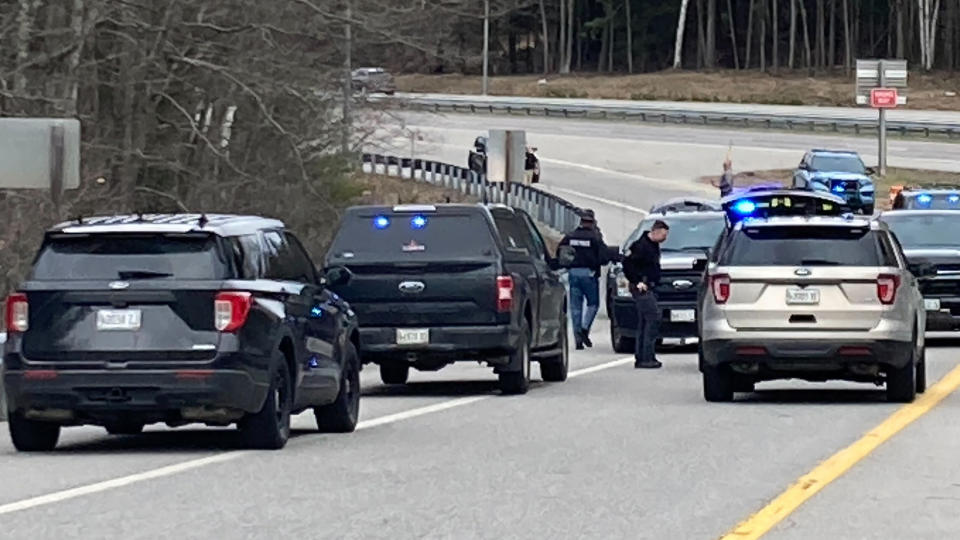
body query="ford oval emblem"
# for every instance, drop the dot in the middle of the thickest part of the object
(412, 287)
(119, 285)
(682, 284)
(802, 271)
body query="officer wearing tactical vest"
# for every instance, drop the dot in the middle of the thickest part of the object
(589, 254)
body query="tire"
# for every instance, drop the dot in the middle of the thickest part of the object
(31, 435)
(621, 345)
(518, 382)
(124, 427)
(922, 371)
(555, 369)
(394, 372)
(743, 384)
(341, 416)
(868, 210)
(269, 429)
(717, 385)
(902, 382)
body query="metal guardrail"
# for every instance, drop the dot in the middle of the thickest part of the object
(554, 212)
(677, 115)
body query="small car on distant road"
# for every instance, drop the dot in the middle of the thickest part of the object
(371, 80)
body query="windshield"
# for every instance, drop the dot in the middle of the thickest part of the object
(131, 257)
(926, 230)
(846, 164)
(404, 237)
(685, 234)
(803, 246)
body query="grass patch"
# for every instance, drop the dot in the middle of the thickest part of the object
(936, 91)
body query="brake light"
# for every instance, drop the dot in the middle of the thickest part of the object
(504, 294)
(887, 285)
(230, 310)
(17, 313)
(720, 284)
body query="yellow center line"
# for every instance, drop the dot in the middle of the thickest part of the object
(836, 465)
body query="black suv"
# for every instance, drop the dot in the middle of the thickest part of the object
(439, 284)
(130, 320)
(695, 226)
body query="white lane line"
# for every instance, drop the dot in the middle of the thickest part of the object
(177, 468)
(607, 202)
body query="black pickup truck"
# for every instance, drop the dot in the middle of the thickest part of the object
(433, 285)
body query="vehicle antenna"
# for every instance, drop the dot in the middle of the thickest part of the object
(202, 222)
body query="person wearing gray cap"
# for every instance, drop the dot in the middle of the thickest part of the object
(588, 254)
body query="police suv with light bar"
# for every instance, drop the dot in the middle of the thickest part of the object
(131, 320)
(440, 284)
(839, 172)
(798, 289)
(928, 198)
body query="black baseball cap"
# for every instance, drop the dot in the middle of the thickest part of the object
(587, 214)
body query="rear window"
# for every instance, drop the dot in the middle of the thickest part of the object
(401, 236)
(131, 257)
(805, 246)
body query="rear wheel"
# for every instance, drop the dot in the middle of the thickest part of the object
(394, 372)
(518, 382)
(269, 429)
(341, 415)
(555, 369)
(717, 385)
(31, 435)
(902, 382)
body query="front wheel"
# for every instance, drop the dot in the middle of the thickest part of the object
(518, 382)
(868, 210)
(269, 429)
(341, 415)
(32, 435)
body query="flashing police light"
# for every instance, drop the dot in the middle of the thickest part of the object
(418, 222)
(381, 222)
(954, 198)
(745, 207)
(838, 188)
(924, 199)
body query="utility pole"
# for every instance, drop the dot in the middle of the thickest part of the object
(348, 77)
(486, 44)
(882, 153)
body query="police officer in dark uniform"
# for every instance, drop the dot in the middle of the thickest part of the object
(641, 267)
(589, 255)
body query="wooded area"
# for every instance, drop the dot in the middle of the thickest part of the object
(559, 36)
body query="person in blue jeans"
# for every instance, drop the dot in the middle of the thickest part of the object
(587, 253)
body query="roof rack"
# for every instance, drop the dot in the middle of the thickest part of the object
(686, 204)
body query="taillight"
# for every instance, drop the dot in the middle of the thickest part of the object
(504, 294)
(720, 284)
(230, 310)
(17, 313)
(887, 285)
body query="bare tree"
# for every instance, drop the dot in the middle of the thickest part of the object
(629, 22)
(793, 32)
(546, 37)
(678, 45)
(733, 36)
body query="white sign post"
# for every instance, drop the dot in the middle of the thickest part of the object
(882, 85)
(506, 156)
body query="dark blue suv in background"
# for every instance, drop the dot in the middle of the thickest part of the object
(839, 172)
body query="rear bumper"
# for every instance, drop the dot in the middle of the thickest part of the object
(157, 394)
(625, 319)
(447, 342)
(802, 355)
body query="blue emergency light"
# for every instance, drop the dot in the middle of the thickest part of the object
(954, 199)
(745, 207)
(418, 222)
(838, 188)
(381, 222)
(924, 199)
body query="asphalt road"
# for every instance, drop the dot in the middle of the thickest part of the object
(611, 453)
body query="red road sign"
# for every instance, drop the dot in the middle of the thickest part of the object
(883, 98)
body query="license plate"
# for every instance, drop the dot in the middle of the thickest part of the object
(931, 304)
(682, 315)
(803, 296)
(118, 319)
(413, 336)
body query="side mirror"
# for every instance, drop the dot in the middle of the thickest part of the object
(337, 276)
(871, 171)
(803, 167)
(923, 270)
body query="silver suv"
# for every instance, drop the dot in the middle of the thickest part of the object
(814, 298)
